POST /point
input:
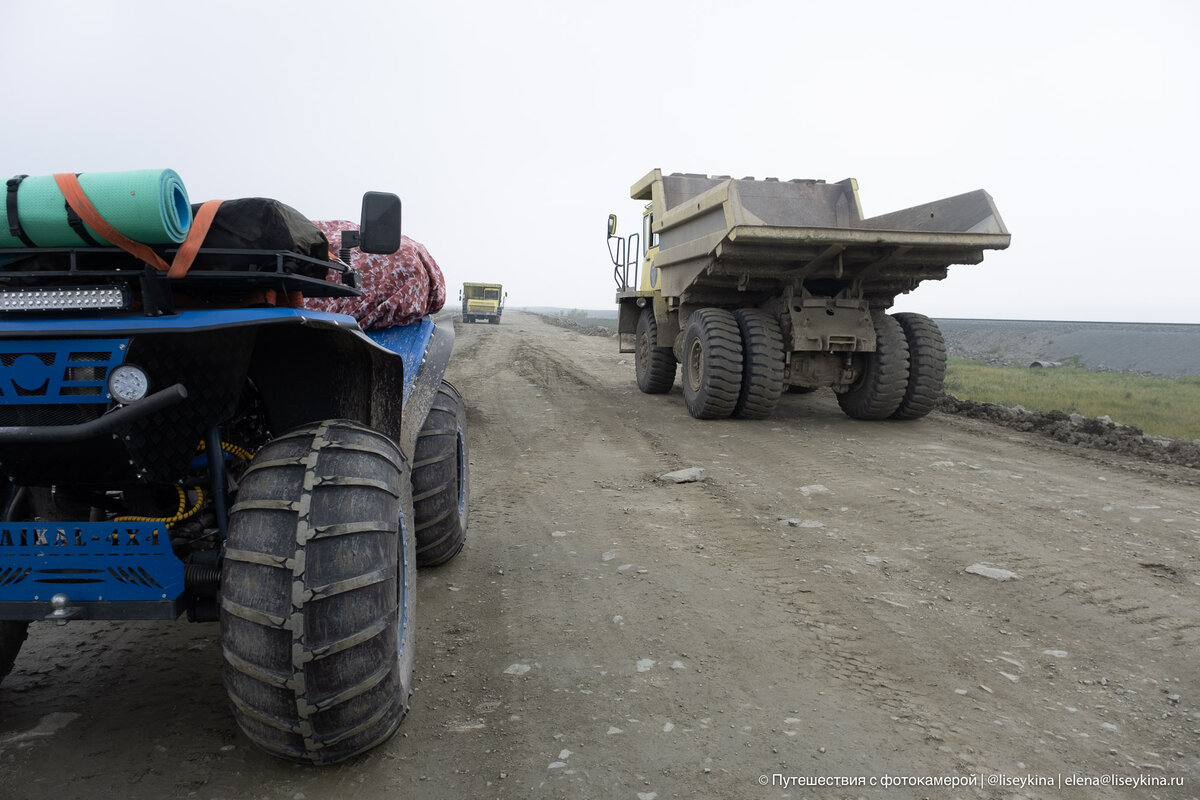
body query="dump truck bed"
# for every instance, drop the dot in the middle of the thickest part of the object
(718, 234)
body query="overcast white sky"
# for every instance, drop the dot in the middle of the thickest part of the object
(510, 130)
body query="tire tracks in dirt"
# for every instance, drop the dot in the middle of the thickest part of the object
(908, 507)
(803, 611)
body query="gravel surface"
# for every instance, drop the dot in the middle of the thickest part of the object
(820, 598)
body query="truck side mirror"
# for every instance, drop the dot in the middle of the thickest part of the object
(612, 224)
(379, 227)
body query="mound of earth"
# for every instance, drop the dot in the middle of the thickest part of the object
(586, 330)
(1096, 432)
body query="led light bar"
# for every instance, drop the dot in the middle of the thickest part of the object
(90, 298)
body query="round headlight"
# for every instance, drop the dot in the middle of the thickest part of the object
(128, 383)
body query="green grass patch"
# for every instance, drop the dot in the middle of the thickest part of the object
(1159, 406)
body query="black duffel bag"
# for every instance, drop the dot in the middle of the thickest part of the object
(260, 223)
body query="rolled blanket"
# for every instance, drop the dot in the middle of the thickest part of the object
(397, 289)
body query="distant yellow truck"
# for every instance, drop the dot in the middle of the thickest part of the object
(482, 301)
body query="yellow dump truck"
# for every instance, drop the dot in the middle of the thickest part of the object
(482, 301)
(757, 287)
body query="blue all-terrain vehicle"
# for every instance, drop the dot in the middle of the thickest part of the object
(174, 446)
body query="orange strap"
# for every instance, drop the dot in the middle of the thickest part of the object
(271, 297)
(68, 184)
(186, 254)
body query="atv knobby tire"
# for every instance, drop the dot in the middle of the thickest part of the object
(926, 365)
(762, 364)
(883, 375)
(440, 479)
(12, 635)
(318, 593)
(712, 363)
(655, 366)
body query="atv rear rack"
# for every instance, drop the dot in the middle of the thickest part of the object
(258, 271)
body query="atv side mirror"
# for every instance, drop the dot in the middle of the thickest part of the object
(379, 226)
(612, 224)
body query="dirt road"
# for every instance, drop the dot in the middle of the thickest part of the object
(836, 599)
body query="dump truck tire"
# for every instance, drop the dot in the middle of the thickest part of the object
(655, 366)
(12, 636)
(712, 363)
(318, 593)
(440, 479)
(762, 364)
(883, 375)
(926, 365)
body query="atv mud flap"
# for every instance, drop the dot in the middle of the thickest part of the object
(424, 347)
(88, 570)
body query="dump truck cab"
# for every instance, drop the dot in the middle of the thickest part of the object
(482, 301)
(634, 254)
